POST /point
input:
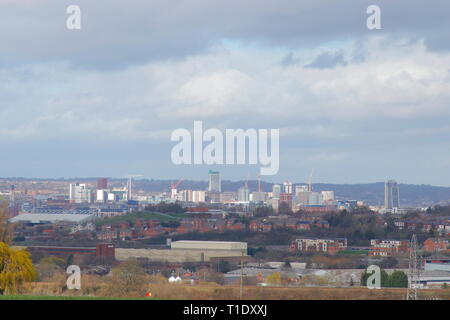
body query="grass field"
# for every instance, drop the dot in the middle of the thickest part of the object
(183, 292)
(215, 292)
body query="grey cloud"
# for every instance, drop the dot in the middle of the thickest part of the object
(117, 33)
(103, 101)
(328, 60)
(290, 60)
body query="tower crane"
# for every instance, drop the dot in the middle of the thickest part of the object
(173, 188)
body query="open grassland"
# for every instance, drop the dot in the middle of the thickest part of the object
(165, 291)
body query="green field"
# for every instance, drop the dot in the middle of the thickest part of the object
(354, 252)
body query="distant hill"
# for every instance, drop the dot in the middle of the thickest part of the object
(371, 193)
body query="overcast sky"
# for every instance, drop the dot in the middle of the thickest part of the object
(357, 105)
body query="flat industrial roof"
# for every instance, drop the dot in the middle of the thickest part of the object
(48, 217)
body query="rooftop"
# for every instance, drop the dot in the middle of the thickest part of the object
(44, 217)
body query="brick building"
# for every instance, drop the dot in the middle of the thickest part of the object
(435, 244)
(319, 245)
(386, 248)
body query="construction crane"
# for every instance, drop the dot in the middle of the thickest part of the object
(310, 180)
(130, 184)
(173, 188)
(259, 182)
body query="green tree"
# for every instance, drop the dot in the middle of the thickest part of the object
(384, 278)
(398, 279)
(16, 267)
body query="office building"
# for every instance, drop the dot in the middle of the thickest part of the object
(79, 193)
(185, 195)
(102, 196)
(328, 196)
(215, 184)
(102, 184)
(276, 190)
(287, 187)
(244, 194)
(391, 195)
(198, 196)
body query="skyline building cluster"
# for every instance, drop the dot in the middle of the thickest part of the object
(287, 195)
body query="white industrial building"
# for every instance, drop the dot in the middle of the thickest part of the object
(238, 247)
(51, 218)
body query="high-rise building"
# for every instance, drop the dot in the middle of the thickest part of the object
(328, 196)
(79, 193)
(102, 184)
(215, 185)
(276, 190)
(244, 193)
(302, 195)
(287, 187)
(102, 196)
(391, 195)
(185, 195)
(198, 196)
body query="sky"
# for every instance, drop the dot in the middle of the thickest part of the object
(356, 105)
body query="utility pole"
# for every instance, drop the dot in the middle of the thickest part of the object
(414, 270)
(242, 276)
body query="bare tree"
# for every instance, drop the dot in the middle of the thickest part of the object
(128, 280)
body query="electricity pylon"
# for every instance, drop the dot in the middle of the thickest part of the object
(414, 270)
